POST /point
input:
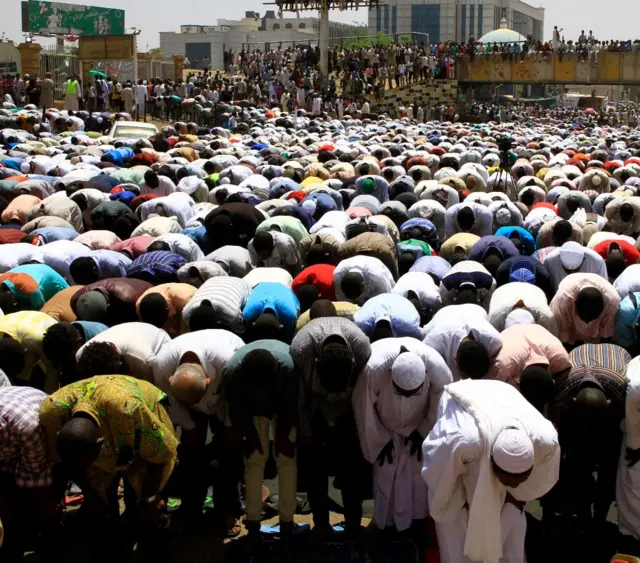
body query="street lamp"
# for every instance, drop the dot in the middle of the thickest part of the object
(135, 32)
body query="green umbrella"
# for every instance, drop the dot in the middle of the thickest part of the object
(94, 72)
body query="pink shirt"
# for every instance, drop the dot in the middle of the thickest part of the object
(134, 246)
(570, 327)
(98, 240)
(528, 345)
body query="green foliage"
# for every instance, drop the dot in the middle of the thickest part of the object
(366, 41)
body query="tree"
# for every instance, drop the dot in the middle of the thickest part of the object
(155, 51)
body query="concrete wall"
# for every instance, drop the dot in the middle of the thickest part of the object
(611, 68)
(9, 54)
(420, 94)
(174, 43)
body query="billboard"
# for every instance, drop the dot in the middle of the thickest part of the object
(70, 19)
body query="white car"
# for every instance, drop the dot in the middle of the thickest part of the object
(132, 130)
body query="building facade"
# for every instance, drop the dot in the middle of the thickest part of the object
(455, 20)
(208, 42)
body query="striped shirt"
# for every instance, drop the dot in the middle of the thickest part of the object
(159, 266)
(23, 448)
(541, 254)
(306, 347)
(603, 365)
(227, 295)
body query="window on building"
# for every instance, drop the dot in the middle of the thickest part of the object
(463, 22)
(302, 26)
(394, 19)
(276, 26)
(378, 18)
(472, 21)
(288, 26)
(426, 19)
(480, 15)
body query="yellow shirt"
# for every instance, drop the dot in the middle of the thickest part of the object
(72, 87)
(343, 308)
(136, 428)
(28, 328)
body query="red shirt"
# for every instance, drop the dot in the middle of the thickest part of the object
(631, 254)
(320, 275)
(11, 236)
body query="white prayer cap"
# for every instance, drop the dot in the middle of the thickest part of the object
(571, 255)
(519, 317)
(408, 371)
(513, 451)
(503, 216)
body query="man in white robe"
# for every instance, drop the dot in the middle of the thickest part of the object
(524, 296)
(468, 218)
(489, 453)
(189, 370)
(573, 258)
(359, 278)
(395, 402)
(463, 336)
(628, 482)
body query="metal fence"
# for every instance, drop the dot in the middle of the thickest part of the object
(61, 62)
(120, 69)
(123, 70)
(156, 68)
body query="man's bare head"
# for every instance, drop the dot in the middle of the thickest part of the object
(189, 382)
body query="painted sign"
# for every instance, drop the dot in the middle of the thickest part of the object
(71, 19)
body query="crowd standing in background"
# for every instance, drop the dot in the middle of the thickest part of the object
(436, 315)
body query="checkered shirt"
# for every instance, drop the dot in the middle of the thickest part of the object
(23, 450)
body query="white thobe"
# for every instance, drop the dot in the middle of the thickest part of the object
(214, 348)
(382, 415)
(506, 297)
(454, 452)
(376, 276)
(628, 482)
(592, 263)
(14, 255)
(628, 281)
(452, 324)
(423, 286)
(482, 226)
(139, 343)
(60, 253)
(182, 245)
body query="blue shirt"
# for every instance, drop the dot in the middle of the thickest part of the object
(398, 310)
(52, 234)
(501, 244)
(275, 297)
(627, 319)
(528, 242)
(120, 156)
(49, 283)
(435, 265)
(428, 229)
(90, 329)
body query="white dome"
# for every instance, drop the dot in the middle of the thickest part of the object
(503, 35)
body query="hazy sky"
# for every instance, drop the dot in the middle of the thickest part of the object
(613, 20)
